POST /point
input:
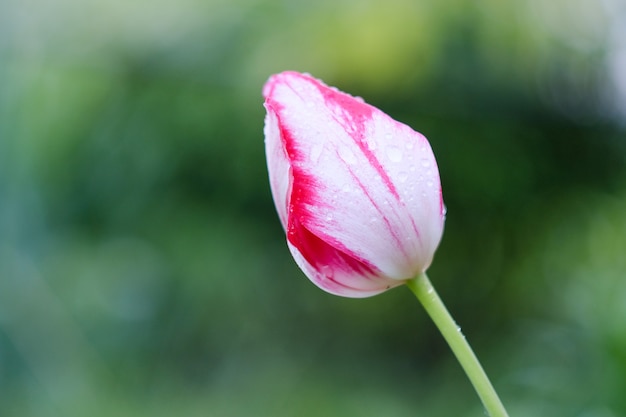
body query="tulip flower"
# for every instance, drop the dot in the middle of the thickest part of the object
(357, 192)
(359, 197)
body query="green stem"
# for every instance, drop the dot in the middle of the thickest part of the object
(426, 294)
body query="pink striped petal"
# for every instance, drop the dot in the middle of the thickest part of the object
(278, 166)
(358, 193)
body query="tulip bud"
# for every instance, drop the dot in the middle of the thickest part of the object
(357, 192)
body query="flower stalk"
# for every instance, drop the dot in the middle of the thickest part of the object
(426, 294)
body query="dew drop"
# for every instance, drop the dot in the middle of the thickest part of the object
(316, 152)
(412, 168)
(347, 155)
(403, 176)
(327, 271)
(409, 145)
(425, 163)
(429, 183)
(394, 153)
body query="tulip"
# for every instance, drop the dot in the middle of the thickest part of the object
(359, 197)
(357, 192)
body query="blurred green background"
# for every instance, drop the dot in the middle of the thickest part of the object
(143, 270)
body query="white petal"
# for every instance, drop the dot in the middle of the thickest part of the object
(277, 166)
(342, 281)
(362, 182)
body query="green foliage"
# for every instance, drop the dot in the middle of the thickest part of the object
(143, 270)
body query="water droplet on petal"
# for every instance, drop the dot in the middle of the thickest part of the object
(394, 153)
(326, 271)
(316, 152)
(425, 163)
(347, 155)
(409, 145)
(403, 176)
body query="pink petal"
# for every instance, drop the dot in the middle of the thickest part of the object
(334, 271)
(277, 166)
(362, 184)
